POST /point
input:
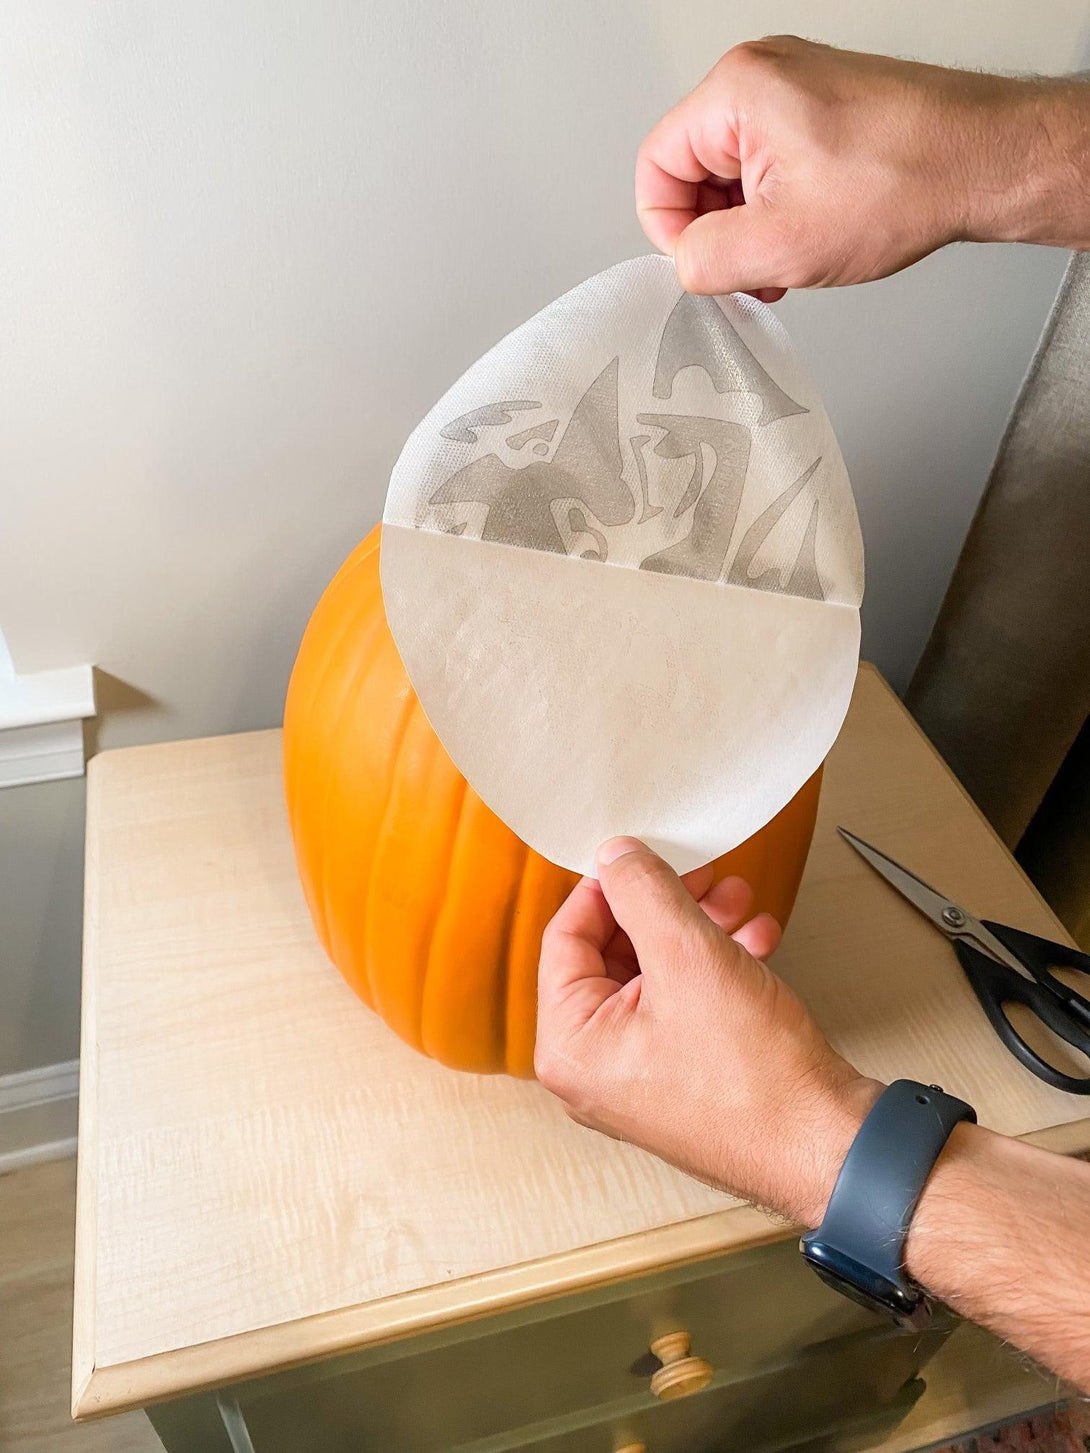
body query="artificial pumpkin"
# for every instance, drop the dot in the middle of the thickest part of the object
(431, 908)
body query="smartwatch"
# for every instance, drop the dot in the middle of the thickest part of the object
(859, 1246)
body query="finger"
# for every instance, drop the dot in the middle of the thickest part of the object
(675, 158)
(586, 914)
(740, 250)
(620, 956)
(760, 936)
(653, 906)
(728, 903)
(698, 880)
(572, 947)
(665, 204)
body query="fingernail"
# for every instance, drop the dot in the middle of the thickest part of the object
(616, 848)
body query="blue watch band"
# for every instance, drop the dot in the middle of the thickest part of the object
(860, 1244)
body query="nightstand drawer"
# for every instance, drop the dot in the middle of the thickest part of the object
(842, 1395)
(743, 1313)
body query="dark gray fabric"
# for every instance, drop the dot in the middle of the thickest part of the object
(1003, 687)
(1055, 850)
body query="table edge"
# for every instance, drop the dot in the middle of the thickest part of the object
(84, 1263)
(101, 1390)
(123, 1386)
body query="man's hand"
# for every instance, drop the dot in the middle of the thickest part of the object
(659, 1024)
(853, 166)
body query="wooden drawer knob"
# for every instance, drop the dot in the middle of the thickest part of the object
(679, 1374)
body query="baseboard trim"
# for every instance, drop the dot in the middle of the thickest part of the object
(38, 1111)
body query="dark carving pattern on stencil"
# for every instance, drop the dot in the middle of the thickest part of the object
(702, 553)
(543, 432)
(803, 579)
(578, 524)
(463, 429)
(648, 511)
(694, 338)
(586, 466)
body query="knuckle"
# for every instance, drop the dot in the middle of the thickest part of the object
(752, 55)
(634, 868)
(691, 947)
(550, 1067)
(764, 60)
(746, 53)
(783, 43)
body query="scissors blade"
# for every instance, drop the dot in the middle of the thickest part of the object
(947, 916)
(920, 894)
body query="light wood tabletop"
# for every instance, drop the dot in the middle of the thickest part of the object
(267, 1175)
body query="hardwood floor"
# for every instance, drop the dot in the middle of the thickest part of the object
(37, 1222)
(973, 1380)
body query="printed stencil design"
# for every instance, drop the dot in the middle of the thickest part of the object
(464, 430)
(697, 333)
(586, 467)
(600, 495)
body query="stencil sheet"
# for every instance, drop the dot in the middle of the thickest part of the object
(622, 565)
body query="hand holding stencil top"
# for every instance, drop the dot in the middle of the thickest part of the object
(621, 562)
(854, 166)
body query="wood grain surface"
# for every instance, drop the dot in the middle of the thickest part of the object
(267, 1174)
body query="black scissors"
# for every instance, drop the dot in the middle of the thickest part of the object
(1004, 966)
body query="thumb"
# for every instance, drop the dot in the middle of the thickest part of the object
(663, 921)
(738, 250)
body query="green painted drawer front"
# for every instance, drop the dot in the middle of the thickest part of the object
(744, 1312)
(839, 1396)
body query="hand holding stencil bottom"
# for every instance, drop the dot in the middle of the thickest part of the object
(655, 1018)
(660, 1025)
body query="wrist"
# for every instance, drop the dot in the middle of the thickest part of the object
(972, 1160)
(822, 1150)
(1027, 176)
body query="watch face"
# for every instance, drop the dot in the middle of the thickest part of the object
(867, 1287)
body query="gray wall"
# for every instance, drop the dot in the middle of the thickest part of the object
(246, 246)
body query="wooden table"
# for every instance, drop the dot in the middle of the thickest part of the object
(280, 1200)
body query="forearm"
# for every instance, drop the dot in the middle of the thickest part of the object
(708, 1059)
(1020, 150)
(1002, 1235)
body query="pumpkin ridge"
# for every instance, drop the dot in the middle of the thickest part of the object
(412, 706)
(399, 733)
(299, 718)
(361, 664)
(508, 953)
(442, 900)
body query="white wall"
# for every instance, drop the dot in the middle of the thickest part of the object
(246, 246)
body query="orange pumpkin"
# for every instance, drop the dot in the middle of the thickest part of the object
(431, 908)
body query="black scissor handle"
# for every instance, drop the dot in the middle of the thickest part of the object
(1041, 956)
(996, 985)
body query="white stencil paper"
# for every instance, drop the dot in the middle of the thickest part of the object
(622, 565)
